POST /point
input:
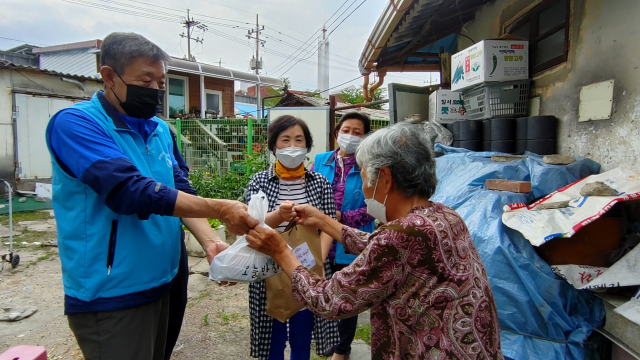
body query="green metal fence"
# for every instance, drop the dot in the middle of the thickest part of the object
(219, 145)
(375, 123)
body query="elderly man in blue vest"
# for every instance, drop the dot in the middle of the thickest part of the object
(120, 198)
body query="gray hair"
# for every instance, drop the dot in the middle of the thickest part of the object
(405, 149)
(119, 49)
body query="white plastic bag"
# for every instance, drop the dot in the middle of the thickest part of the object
(437, 133)
(239, 262)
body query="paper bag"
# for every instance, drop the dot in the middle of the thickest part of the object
(305, 243)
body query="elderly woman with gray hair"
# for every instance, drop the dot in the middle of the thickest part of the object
(419, 273)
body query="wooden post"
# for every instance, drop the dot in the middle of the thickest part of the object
(332, 122)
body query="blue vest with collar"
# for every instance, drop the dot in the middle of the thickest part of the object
(142, 254)
(325, 164)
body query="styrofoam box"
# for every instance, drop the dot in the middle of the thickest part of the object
(446, 106)
(490, 61)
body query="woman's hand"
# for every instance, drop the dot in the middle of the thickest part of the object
(286, 211)
(308, 215)
(266, 241)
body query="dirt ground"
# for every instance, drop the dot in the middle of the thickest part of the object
(216, 324)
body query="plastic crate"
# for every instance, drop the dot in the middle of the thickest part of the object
(497, 100)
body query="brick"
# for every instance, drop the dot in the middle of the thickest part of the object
(509, 185)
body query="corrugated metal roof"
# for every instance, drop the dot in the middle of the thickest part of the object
(406, 27)
(11, 66)
(93, 44)
(219, 72)
(79, 62)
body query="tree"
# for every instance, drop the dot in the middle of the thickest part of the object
(269, 103)
(353, 95)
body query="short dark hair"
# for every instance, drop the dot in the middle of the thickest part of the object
(119, 49)
(354, 115)
(281, 124)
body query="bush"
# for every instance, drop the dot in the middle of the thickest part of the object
(229, 185)
(363, 332)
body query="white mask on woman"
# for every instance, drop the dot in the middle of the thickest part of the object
(348, 143)
(375, 208)
(291, 157)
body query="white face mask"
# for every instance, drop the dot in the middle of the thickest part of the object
(375, 208)
(291, 157)
(348, 143)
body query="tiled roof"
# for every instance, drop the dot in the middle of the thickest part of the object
(314, 101)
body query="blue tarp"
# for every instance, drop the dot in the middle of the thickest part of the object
(541, 316)
(244, 109)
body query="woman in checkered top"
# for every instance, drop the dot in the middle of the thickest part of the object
(286, 183)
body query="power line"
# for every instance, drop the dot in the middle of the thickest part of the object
(200, 15)
(317, 48)
(288, 61)
(147, 12)
(23, 41)
(308, 62)
(334, 29)
(293, 46)
(123, 11)
(174, 18)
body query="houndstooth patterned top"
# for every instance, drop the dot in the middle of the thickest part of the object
(319, 195)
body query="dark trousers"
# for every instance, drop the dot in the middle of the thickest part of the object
(300, 329)
(178, 304)
(133, 334)
(346, 327)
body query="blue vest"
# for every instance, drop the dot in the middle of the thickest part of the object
(142, 254)
(325, 164)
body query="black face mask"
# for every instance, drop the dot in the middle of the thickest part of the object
(141, 102)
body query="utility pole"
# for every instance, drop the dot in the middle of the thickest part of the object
(190, 24)
(256, 63)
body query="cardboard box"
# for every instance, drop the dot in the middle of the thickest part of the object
(490, 61)
(446, 106)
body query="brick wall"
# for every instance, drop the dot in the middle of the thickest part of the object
(225, 86)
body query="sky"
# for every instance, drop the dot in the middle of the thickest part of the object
(288, 25)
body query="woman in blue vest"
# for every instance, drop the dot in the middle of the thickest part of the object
(340, 168)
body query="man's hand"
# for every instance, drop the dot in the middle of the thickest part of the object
(286, 211)
(212, 251)
(214, 248)
(266, 241)
(236, 218)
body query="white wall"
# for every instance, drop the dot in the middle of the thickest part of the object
(604, 45)
(30, 81)
(317, 119)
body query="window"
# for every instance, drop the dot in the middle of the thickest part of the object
(546, 26)
(178, 96)
(214, 101)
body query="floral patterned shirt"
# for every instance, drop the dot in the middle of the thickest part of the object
(424, 282)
